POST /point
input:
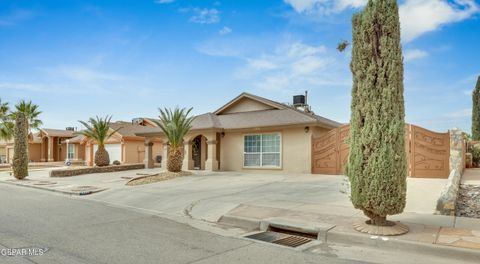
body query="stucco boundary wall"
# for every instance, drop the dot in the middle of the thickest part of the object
(90, 170)
(448, 198)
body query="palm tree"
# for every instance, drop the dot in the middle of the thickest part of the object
(98, 130)
(175, 125)
(32, 113)
(6, 126)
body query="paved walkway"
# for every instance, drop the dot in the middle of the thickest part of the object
(471, 176)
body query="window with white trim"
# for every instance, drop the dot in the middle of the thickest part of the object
(71, 151)
(262, 150)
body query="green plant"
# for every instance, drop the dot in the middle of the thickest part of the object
(32, 113)
(475, 151)
(6, 126)
(98, 130)
(175, 124)
(476, 111)
(377, 167)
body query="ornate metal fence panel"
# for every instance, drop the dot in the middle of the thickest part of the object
(428, 152)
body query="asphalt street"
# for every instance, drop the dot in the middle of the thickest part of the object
(83, 231)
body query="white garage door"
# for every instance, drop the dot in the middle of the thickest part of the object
(114, 151)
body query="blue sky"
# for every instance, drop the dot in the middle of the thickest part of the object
(78, 59)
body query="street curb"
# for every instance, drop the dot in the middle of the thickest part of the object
(238, 221)
(389, 243)
(55, 190)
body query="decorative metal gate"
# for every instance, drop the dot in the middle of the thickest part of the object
(330, 151)
(428, 152)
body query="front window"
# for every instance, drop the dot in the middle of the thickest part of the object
(262, 150)
(71, 151)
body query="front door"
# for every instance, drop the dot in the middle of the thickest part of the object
(197, 152)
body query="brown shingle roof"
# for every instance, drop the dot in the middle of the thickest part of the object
(284, 115)
(129, 129)
(268, 118)
(58, 132)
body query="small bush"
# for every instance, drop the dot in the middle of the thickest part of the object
(475, 150)
(116, 162)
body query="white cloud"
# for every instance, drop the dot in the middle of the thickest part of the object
(417, 16)
(164, 1)
(205, 16)
(82, 74)
(467, 112)
(293, 66)
(414, 54)
(421, 16)
(225, 30)
(22, 87)
(324, 6)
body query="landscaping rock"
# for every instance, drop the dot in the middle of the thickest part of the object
(468, 201)
(79, 171)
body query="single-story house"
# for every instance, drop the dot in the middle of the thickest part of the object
(45, 145)
(123, 146)
(53, 145)
(249, 133)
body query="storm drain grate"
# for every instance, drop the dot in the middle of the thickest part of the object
(292, 241)
(278, 238)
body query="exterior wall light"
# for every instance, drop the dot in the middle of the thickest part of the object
(306, 129)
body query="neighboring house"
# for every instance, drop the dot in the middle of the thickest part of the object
(123, 146)
(3, 151)
(44, 145)
(53, 145)
(249, 133)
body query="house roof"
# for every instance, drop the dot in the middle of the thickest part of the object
(277, 115)
(58, 132)
(257, 98)
(128, 129)
(125, 129)
(77, 139)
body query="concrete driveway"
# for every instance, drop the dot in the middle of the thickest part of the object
(208, 196)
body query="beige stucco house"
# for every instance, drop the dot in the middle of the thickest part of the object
(56, 145)
(123, 146)
(249, 133)
(45, 145)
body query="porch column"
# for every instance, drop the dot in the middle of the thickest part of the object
(164, 156)
(211, 163)
(187, 156)
(42, 151)
(148, 154)
(50, 149)
(91, 155)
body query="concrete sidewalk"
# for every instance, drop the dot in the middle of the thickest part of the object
(340, 228)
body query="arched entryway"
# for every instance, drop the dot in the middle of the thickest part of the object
(199, 152)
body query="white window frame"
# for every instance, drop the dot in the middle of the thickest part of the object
(73, 151)
(261, 153)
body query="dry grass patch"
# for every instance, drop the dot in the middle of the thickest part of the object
(146, 179)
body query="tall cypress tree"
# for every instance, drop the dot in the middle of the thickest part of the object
(377, 166)
(476, 112)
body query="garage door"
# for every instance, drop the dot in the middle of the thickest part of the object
(114, 151)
